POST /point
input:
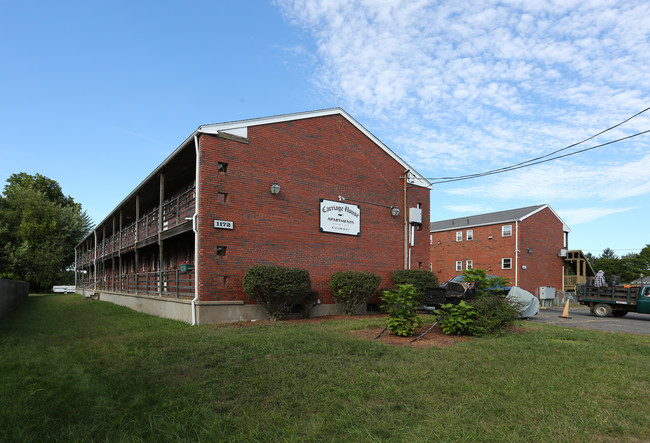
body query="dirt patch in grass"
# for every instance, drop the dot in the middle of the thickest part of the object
(435, 337)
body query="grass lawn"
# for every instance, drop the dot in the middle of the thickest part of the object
(73, 369)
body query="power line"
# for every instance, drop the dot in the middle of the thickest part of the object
(538, 160)
(514, 167)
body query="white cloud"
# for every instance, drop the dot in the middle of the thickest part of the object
(584, 215)
(465, 86)
(469, 209)
(597, 182)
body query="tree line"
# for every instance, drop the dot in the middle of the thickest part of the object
(39, 229)
(629, 267)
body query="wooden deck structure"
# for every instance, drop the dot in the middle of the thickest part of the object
(577, 270)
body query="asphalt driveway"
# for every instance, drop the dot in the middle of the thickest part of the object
(632, 323)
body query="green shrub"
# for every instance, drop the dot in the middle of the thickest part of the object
(494, 313)
(277, 288)
(420, 279)
(456, 319)
(401, 305)
(353, 288)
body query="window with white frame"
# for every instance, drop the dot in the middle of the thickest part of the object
(459, 265)
(506, 263)
(459, 235)
(469, 235)
(469, 264)
(506, 231)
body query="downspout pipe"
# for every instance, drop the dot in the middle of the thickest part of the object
(406, 225)
(195, 228)
(516, 252)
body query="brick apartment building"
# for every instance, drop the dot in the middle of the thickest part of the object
(313, 190)
(528, 246)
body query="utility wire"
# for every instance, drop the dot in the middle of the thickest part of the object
(535, 160)
(530, 162)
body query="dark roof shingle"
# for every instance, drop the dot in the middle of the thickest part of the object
(491, 218)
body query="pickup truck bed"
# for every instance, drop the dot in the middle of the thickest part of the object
(615, 300)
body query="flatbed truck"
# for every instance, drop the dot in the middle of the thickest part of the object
(605, 301)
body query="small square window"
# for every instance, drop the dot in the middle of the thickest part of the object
(459, 235)
(469, 235)
(469, 264)
(222, 197)
(506, 231)
(459, 265)
(506, 263)
(222, 168)
(221, 251)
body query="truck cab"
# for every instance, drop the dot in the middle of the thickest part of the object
(644, 300)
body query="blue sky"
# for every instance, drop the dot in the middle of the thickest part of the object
(96, 94)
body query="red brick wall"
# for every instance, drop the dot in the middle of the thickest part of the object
(315, 158)
(485, 252)
(542, 232)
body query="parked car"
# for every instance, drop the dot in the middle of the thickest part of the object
(501, 289)
(63, 289)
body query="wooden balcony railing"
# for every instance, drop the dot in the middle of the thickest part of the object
(175, 283)
(176, 212)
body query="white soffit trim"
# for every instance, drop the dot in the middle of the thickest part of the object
(240, 128)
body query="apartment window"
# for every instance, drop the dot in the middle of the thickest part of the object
(506, 231)
(222, 197)
(459, 236)
(221, 251)
(469, 235)
(431, 239)
(506, 263)
(459, 265)
(222, 167)
(469, 264)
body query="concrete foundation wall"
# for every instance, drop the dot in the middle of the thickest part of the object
(12, 293)
(207, 312)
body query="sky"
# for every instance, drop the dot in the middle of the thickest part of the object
(95, 95)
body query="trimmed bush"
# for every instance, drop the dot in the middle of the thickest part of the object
(277, 288)
(353, 288)
(456, 319)
(494, 314)
(420, 279)
(401, 305)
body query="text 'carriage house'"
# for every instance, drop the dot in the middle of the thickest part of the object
(314, 190)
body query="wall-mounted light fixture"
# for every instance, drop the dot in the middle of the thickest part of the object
(530, 250)
(275, 188)
(395, 211)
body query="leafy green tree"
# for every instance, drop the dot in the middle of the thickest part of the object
(39, 228)
(484, 283)
(629, 267)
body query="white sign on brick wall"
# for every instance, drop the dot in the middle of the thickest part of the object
(224, 224)
(340, 218)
